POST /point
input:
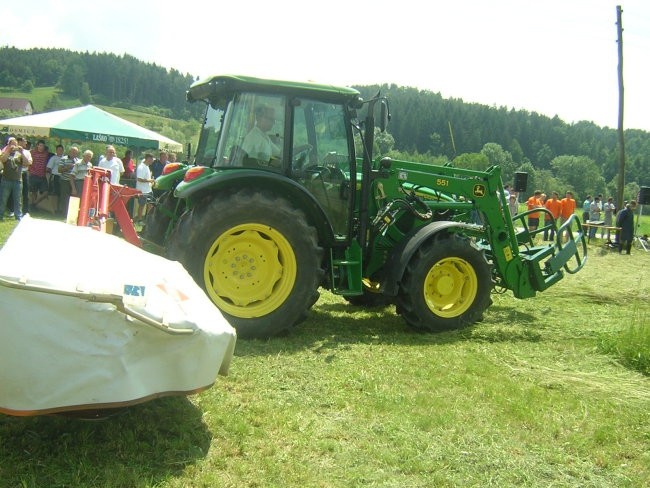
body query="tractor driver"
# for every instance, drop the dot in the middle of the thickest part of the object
(257, 145)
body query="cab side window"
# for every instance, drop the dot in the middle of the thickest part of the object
(320, 158)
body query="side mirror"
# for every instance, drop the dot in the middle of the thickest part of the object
(384, 116)
(385, 163)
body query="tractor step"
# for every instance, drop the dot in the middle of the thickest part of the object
(346, 272)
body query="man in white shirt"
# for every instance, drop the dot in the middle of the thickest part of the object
(112, 163)
(52, 172)
(608, 208)
(257, 144)
(144, 183)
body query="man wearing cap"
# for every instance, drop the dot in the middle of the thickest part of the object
(12, 161)
(625, 220)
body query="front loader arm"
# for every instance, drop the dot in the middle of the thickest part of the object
(477, 197)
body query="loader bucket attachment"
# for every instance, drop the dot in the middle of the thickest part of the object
(546, 263)
(568, 247)
(571, 246)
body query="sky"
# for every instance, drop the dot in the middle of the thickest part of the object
(553, 57)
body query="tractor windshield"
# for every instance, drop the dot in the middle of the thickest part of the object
(253, 132)
(209, 138)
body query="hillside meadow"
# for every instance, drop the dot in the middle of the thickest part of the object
(540, 393)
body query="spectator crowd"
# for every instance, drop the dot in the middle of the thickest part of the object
(29, 177)
(598, 213)
(36, 176)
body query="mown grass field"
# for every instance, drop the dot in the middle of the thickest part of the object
(534, 395)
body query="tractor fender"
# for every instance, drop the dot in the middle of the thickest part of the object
(230, 181)
(403, 252)
(169, 181)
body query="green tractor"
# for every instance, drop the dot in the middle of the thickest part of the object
(284, 197)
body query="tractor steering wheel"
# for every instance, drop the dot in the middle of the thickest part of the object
(300, 154)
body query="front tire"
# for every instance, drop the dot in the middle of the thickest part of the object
(446, 285)
(255, 256)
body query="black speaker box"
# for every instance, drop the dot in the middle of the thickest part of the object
(644, 195)
(521, 181)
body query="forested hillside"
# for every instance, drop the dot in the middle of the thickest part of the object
(103, 78)
(557, 155)
(424, 122)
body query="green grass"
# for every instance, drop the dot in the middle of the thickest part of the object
(632, 345)
(352, 397)
(40, 96)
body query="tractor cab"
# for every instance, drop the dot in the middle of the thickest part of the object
(301, 131)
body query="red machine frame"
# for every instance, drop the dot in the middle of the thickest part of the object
(99, 198)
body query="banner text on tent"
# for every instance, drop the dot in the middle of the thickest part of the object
(123, 141)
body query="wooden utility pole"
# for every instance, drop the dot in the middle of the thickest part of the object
(621, 138)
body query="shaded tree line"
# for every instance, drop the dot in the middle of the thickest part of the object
(558, 156)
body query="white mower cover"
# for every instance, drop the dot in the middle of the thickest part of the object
(89, 321)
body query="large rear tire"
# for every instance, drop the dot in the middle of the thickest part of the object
(255, 256)
(446, 285)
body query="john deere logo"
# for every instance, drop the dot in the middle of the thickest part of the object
(479, 191)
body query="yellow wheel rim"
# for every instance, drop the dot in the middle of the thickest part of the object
(450, 287)
(250, 270)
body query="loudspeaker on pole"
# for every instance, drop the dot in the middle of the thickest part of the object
(521, 181)
(644, 195)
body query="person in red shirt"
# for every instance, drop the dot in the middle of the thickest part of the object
(38, 186)
(129, 167)
(534, 202)
(553, 205)
(568, 207)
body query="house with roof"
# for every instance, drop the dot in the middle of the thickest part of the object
(20, 105)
